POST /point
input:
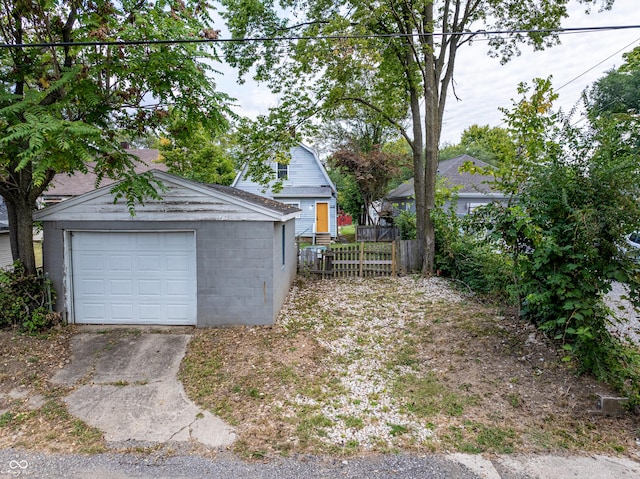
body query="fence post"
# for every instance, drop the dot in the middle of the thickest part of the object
(393, 259)
(361, 258)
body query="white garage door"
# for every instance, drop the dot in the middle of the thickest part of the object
(134, 278)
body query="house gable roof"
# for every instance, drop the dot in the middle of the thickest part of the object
(467, 183)
(304, 188)
(183, 200)
(66, 185)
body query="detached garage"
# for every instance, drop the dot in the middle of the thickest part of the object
(204, 255)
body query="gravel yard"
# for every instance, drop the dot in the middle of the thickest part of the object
(357, 366)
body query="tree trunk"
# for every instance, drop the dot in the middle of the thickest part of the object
(21, 232)
(417, 149)
(431, 143)
(21, 195)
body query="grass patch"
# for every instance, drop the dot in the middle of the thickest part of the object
(352, 422)
(475, 438)
(426, 397)
(349, 232)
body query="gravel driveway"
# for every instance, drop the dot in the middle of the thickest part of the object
(630, 325)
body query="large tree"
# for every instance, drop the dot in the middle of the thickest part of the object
(396, 57)
(371, 169)
(618, 92)
(360, 147)
(80, 76)
(577, 190)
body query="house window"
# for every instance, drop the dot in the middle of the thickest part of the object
(283, 171)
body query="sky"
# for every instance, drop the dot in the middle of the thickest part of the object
(482, 85)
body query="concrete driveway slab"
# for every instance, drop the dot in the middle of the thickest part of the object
(126, 385)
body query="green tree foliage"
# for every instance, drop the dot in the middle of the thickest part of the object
(65, 108)
(578, 193)
(193, 152)
(345, 56)
(406, 223)
(25, 301)
(371, 171)
(349, 198)
(361, 150)
(618, 92)
(491, 145)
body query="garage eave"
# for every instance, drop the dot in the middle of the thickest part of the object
(182, 200)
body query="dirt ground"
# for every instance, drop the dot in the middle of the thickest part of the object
(352, 367)
(451, 374)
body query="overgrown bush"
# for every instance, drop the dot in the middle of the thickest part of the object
(406, 223)
(24, 301)
(467, 257)
(573, 197)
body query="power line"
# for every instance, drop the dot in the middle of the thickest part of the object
(598, 64)
(326, 37)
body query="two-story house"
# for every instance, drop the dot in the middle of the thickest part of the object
(307, 186)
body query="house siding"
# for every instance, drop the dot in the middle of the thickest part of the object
(6, 258)
(304, 171)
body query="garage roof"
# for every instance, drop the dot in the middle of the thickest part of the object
(183, 200)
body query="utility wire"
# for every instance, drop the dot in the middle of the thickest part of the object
(327, 37)
(598, 64)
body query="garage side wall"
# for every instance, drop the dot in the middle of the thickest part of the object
(235, 273)
(53, 260)
(285, 253)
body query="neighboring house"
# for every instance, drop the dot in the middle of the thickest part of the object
(204, 255)
(6, 258)
(65, 186)
(306, 185)
(473, 190)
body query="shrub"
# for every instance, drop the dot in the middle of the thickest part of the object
(469, 257)
(406, 222)
(24, 301)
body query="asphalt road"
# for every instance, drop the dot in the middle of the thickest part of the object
(119, 466)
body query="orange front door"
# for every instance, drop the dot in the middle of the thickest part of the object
(322, 217)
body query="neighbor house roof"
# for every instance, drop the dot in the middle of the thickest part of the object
(66, 185)
(251, 198)
(450, 170)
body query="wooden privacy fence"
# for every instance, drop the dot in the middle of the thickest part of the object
(360, 260)
(377, 233)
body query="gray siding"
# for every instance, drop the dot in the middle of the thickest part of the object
(177, 203)
(304, 170)
(307, 219)
(467, 203)
(6, 259)
(285, 269)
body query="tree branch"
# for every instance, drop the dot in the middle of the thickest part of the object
(373, 107)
